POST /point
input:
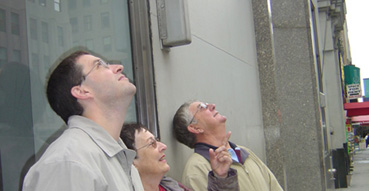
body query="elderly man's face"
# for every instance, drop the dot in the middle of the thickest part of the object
(206, 116)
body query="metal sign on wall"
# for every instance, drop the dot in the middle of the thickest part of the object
(353, 91)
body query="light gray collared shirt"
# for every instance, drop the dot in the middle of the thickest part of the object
(84, 158)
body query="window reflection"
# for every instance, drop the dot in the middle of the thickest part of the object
(105, 21)
(2, 20)
(60, 34)
(45, 32)
(15, 23)
(72, 4)
(87, 22)
(16, 56)
(74, 25)
(33, 28)
(3, 56)
(57, 5)
(36, 34)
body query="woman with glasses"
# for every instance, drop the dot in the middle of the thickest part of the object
(152, 166)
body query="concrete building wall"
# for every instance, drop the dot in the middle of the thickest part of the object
(332, 62)
(287, 46)
(219, 66)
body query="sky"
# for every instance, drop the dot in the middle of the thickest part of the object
(358, 31)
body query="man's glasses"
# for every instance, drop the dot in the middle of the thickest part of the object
(199, 107)
(153, 143)
(98, 63)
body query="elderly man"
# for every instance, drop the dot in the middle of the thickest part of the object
(198, 125)
(92, 97)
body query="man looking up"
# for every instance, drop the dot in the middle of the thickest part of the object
(92, 97)
(198, 125)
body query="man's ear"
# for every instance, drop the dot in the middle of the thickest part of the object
(79, 92)
(194, 129)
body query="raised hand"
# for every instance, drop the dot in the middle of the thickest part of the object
(220, 159)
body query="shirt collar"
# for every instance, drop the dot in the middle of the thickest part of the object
(99, 135)
(203, 150)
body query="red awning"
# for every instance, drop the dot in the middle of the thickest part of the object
(363, 119)
(357, 108)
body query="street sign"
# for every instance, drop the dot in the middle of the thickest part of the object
(353, 91)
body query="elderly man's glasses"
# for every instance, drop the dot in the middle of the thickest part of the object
(153, 143)
(199, 107)
(98, 63)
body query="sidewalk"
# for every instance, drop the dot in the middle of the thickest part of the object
(360, 175)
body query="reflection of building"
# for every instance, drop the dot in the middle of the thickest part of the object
(13, 36)
(53, 28)
(15, 101)
(33, 34)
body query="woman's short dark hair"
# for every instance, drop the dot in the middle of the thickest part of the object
(128, 134)
(181, 120)
(65, 76)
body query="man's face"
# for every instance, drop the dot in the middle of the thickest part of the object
(150, 155)
(105, 81)
(206, 117)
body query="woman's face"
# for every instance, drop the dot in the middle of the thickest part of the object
(150, 158)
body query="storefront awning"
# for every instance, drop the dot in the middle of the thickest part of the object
(357, 109)
(363, 119)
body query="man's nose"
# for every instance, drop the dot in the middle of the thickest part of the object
(117, 68)
(211, 106)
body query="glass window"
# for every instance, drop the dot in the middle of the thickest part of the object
(46, 61)
(2, 20)
(3, 56)
(72, 4)
(87, 23)
(60, 36)
(17, 56)
(15, 23)
(34, 60)
(74, 24)
(33, 28)
(27, 123)
(105, 22)
(45, 32)
(42, 3)
(57, 5)
(107, 43)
